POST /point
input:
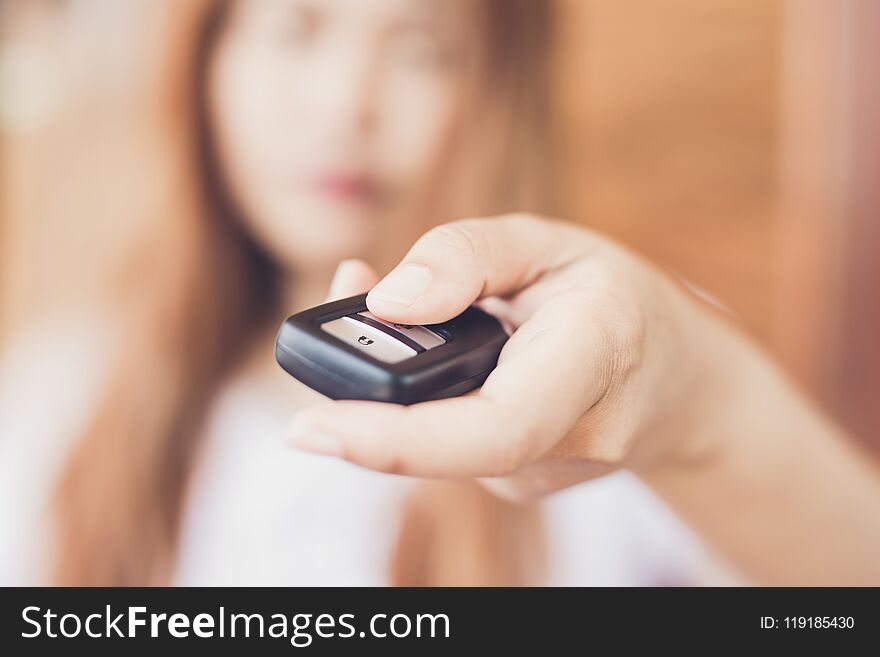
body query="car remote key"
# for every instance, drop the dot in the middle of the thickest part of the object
(345, 352)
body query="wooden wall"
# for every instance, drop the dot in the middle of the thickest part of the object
(671, 122)
(738, 143)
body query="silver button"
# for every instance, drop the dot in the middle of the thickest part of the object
(369, 340)
(418, 334)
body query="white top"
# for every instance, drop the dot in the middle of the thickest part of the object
(259, 513)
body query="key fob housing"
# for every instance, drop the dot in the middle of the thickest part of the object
(344, 352)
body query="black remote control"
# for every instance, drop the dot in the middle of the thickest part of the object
(343, 351)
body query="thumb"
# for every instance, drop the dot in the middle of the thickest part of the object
(453, 265)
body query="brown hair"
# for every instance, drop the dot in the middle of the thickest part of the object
(121, 495)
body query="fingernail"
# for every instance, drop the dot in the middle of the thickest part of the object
(316, 442)
(404, 285)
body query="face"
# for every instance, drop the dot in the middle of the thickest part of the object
(329, 114)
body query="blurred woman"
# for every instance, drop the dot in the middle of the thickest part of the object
(280, 137)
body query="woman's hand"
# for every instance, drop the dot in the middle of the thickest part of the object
(612, 364)
(609, 364)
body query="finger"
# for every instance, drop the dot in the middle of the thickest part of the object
(420, 440)
(529, 402)
(351, 277)
(452, 265)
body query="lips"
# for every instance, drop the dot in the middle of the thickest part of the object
(348, 187)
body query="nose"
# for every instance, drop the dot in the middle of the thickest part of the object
(341, 98)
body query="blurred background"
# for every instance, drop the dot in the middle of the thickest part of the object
(736, 142)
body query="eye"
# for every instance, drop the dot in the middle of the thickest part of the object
(421, 48)
(298, 26)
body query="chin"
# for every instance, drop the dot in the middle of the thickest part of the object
(323, 244)
(318, 232)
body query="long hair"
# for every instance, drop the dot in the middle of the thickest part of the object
(212, 290)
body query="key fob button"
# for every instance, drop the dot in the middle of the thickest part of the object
(418, 334)
(368, 339)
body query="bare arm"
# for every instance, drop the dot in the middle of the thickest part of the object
(778, 489)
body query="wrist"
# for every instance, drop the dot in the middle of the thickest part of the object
(711, 382)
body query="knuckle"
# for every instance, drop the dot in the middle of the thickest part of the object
(387, 461)
(525, 220)
(466, 246)
(529, 228)
(394, 464)
(614, 305)
(622, 306)
(623, 332)
(518, 219)
(466, 236)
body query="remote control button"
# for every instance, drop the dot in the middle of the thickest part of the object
(418, 334)
(368, 339)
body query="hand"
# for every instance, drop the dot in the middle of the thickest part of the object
(607, 366)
